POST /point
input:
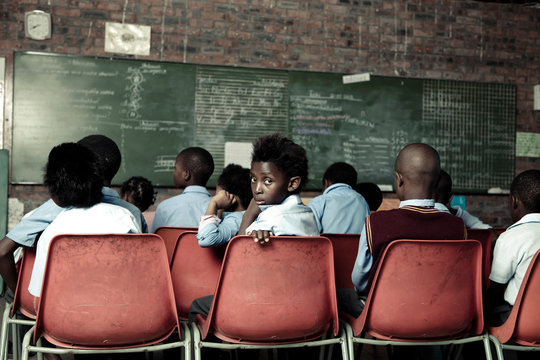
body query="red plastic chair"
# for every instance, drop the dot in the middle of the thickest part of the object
(345, 252)
(485, 236)
(194, 270)
(23, 301)
(279, 295)
(106, 293)
(521, 331)
(425, 292)
(170, 235)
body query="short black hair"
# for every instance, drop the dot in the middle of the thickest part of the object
(107, 152)
(73, 176)
(236, 180)
(287, 156)
(443, 189)
(141, 190)
(526, 186)
(372, 193)
(199, 162)
(341, 172)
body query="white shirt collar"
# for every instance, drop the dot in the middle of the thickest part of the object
(418, 202)
(532, 217)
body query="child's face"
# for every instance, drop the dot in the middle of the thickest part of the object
(268, 184)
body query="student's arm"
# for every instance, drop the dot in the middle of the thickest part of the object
(222, 200)
(259, 236)
(7, 263)
(214, 234)
(362, 265)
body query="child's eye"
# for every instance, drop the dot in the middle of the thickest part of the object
(267, 181)
(253, 179)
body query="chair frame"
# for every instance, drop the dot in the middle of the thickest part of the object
(333, 336)
(500, 336)
(147, 346)
(9, 317)
(348, 319)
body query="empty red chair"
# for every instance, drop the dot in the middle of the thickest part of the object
(426, 292)
(274, 295)
(345, 252)
(194, 270)
(170, 235)
(521, 331)
(105, 294)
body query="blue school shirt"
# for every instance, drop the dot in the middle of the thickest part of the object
(214, 234)
(340, 210)
(291, 217)
(184, 210)
(36, 221)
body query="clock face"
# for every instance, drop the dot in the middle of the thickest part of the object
(38, 25)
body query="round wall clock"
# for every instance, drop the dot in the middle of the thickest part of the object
(37, 25)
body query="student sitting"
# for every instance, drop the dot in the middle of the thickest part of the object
(224, 213)
(417, 170)
(443, 196)
(279, 169)
(74, 181)
(372, 193)
(515, 247)
(24, 234)
(138, 191)
(193, 168)
(340, 209)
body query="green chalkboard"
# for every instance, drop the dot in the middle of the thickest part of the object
(154, 109)
(146, 107)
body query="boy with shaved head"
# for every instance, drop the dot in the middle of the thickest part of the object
(417, 169)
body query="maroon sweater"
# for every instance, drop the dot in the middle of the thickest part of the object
(409, 222)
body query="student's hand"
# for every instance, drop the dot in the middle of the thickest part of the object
(253, 209)
(223, 199)
(262, 237)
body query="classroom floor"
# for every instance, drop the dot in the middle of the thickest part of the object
(368, 353)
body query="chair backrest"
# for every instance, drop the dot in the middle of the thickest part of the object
(194, 270)
(281, 292)
(345, 252)
(485, 236)
(425, 290)
(23, 301)
(170, 235)
(108, 290)
(522, 326)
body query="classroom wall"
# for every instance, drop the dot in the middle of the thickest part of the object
(436, 39)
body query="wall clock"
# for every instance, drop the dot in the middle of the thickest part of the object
(37, 25)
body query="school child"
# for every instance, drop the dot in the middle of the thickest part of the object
(443, 195)
(417, 170)
(138, 191)
(515, 248)
(224, 213)
(193, 168)
(74, 181)
(372, 193)
(340, 209)
(279, 170)
(24, 234)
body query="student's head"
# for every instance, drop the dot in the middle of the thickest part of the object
(443, 191)
(235, 180)
(416, 173)
(525, 194)
(139, 191)
(339, 172)
(193, 166)
(107, 152)
(279, 168)
(73, 176)
(372, 193)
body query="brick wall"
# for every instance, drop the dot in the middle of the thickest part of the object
(439, 39)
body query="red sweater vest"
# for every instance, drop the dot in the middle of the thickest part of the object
(410, 222)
